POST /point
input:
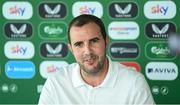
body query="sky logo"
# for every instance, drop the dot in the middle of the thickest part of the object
(20, 69)
(48, 67)
(17, 10)
(19, 50)
(160, 9)
(87, 10)
(92, 8)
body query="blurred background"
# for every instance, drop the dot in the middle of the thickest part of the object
(33, 41)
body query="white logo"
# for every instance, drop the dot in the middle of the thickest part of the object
(161, 71)
(54, 11)
(123, 30)
(48, 67)
(16, 31)
(162, 31)
(53, 30)
(57, 50)
(17, 10)
(19, 49)
(126, 10)
(160, 9)
(93, 8)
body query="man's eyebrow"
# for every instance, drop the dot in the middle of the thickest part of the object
(96, 38)
(78, 42)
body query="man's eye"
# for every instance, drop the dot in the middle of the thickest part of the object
(79, 44)
(95, 40)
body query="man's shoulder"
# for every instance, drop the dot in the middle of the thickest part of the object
(126, 71)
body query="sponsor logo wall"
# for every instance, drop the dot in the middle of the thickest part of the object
(33, 42)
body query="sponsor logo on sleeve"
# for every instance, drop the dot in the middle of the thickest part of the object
(91, 7)
(52, 10)
(18, 30)
(17, 10)
(48, 67)
(166, 71)
(19, 50)
(123, 10)
(160, 9)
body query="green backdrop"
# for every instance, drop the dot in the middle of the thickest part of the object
(26, 90)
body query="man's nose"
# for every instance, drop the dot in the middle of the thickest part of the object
(87, 49)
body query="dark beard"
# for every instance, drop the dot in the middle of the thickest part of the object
(96, 69)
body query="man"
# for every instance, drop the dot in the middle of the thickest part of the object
(94, 79)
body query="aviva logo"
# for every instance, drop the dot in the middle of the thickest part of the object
(161, 71)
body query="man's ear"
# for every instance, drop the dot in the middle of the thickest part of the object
(107, 41)
(70, 47)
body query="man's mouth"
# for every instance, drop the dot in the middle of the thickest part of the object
(90, 61)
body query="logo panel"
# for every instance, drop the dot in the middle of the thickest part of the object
(54, 50)
(20, 69)
(92, 8)
(166, 71)
(160, 9)
(17, 10)
(124, 50)
(18, 30)
(47, 67)
(123, 10)
(52, 30)
(159, 30)
(123, 30)
(19, 50)
(52, 10)
(158, 51)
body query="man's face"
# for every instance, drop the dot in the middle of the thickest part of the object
(88, 47)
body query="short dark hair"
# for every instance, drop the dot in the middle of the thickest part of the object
(85, 19)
